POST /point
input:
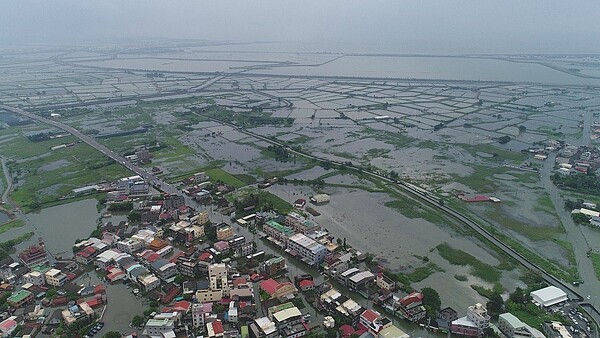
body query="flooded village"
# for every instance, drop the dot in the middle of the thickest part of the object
(297, 194)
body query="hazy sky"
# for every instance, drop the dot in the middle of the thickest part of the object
(404, 26)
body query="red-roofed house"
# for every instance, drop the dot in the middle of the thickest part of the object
(371, 320)
(206, 257)
(175, 257)
(181, 306)
(170, 295)
(215, 329)
(306, 285)
(411, 307)
(8, 326)
(239, 281)
(278, 290)
(347, 331)
(86, 255)
(99, 289)
(95, 302)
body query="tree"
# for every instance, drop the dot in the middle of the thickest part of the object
(519, 296)
(431, 301)
(504, 139)
(495, 305)
(134, 216)
(137, 321)
(112, 334)
(522, 129)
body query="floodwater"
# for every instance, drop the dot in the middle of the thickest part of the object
(59, 226)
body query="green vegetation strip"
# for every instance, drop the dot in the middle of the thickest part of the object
(423, 272)
(15, 223)
(5, 247)
(458, 257)
(221, 175)
(596, 262)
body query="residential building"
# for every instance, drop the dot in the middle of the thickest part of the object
(34, 255)
(19, 298)
(279, 233)
(285, 316)
(360, 280)
(164, 269)
(55, 277)
(130, 246)
(479, 316)
(148, 282)
(215, 329)
(187, 266)
(159, 327)
(201, 218)
(385, 283)
(512, 326)
(273, 266)
(392, 332)
(464, 327)
(411, 307)
(278, 290)
(224, 231)
(218, 284)
(199, 310)
(34, 277)
(300, 224)
(245, 249)
(373, 321)
(263, 328)
(306, 249)
(446, 316)
(337, 304)
(8, 325)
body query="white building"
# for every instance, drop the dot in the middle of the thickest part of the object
(512, 326)
(479, 316)
(548, 296)
(55, 277)
(306, 249)
(320, 199)
(34, 277)
(130, 246)
(159, 327)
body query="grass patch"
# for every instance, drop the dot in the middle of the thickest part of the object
(461, 278)
(248, 179)
(544, 204)
(498, 154)
(15, 223)
(487, 293)
(411, 209)
(596, 262)
(423, 272)
(532, 232)
(8, 246)
(218, 174)
(42, 175)
(458, 257)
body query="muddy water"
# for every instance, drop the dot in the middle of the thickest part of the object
(59, 226)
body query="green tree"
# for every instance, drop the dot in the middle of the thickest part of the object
(137, 320)
(495, 305)
(112, 334)
(431, 301)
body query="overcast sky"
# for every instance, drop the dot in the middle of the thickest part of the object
(403, 26)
